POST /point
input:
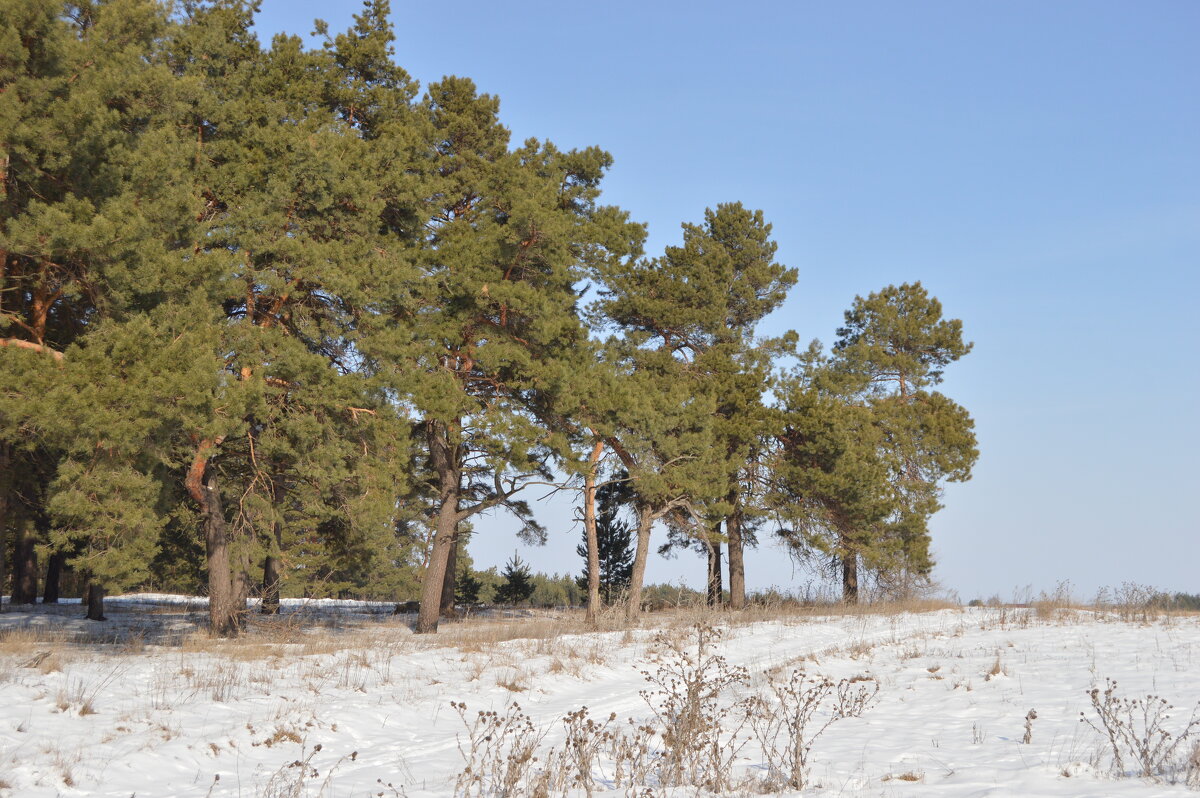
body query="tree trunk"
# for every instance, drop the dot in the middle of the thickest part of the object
(242, 581)
(271, 572)
(849, 559)
(50, 591)
(589, 527)
(5, 460)
(645, 519)
(223, 617)
(445, 464)
(270, 586)
(95, 602)
(737, 562)
(715, 588)
(25, 567)
(449, 580)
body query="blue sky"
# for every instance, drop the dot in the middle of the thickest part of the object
(1035, 164)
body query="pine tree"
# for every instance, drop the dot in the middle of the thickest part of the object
(699, 305)
(867, 446)
(477, 344)
(518, 583)
(240, 218)
(87, 153)
(827, 481)
(467, 586)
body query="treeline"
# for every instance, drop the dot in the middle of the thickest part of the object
(274, 318)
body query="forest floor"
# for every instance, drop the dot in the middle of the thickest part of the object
(341, 699)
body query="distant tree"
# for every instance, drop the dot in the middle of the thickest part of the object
(518, 583)
(553, 590)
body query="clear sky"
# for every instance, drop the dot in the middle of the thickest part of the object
(1036, 165)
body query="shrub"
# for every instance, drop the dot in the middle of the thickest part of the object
(1136, 731)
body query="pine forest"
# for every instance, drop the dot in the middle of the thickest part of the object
(277, 321)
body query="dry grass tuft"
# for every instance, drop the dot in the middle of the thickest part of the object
(910, 775)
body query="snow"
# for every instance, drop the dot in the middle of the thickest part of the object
(146, 705)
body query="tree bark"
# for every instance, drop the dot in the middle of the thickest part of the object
(242, 581)
(5, 460)
(51, 590)
(223, 617)
(715, 588)
(645, 520)
(449, 580)
(737, 562)
(849, 559)
(444, 462)
(95, 602)
(25, 576)
(589, 527)
(270, 586)
(271, 572)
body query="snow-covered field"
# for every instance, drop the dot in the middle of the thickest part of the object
(340, 699)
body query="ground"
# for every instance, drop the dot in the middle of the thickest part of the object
(341, 699)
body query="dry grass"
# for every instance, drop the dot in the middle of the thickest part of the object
(18, 640)
(910, 775)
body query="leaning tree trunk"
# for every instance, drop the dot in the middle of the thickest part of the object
(95, 602)
(54, 568)
(445, 465)
(645, 519)
(715, 588)
(737, 562)
(589, 528)
(429, 613)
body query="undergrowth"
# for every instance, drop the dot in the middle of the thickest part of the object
(1140, 738)
(700, 709)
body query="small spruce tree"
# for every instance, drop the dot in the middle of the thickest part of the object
(614, 539)
(467, 586)
(518, 582)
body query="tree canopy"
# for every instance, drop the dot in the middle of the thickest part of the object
(277, 320)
